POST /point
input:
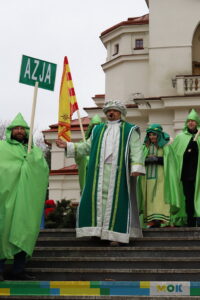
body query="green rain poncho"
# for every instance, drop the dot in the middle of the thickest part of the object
(179, 145)
(23, 184)
(82, 161)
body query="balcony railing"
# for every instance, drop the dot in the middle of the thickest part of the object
(187, 84)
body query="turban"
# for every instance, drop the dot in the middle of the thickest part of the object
(116, 105)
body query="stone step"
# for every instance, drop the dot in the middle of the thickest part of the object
(145, 241)
(99, 290)
(64, 274)
(115, 262)
(101, 297)
(172, 232)
(167, 231)
(58, 232)
(117, 251)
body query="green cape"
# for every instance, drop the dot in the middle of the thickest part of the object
(179, 145)
(23, 183)
(82, 161)
(171, 190)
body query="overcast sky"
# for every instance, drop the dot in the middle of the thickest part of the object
(49, 30)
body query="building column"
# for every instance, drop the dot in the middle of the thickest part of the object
(180, 115)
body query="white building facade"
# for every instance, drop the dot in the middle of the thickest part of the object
(153, 66)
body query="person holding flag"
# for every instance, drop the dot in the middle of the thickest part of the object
(106, 209)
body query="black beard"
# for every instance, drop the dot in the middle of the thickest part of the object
(192, 130)
(20, 139)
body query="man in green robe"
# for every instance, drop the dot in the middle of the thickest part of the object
(106, 210)
(23, 184)
(186, 147)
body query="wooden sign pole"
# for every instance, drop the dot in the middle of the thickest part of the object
(32, 116)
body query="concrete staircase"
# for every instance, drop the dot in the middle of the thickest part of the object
(164, 263)
(162, 254)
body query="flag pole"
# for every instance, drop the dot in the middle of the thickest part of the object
(67, 104)
(196, 136)
(81, 125)
(32, 116)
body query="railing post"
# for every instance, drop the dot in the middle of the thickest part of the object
(180, 85)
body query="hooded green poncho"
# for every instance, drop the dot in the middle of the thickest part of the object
(82, 161)
(179, 145)
(23, 184)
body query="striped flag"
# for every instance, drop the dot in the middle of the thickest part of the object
(67, 103)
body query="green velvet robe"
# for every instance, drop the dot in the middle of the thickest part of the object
(105, 208)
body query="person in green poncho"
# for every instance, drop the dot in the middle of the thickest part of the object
(106, 209)
(23, 184)
(82, 161)
(186, 146)
(154, 189)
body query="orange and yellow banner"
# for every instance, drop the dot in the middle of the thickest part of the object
(67, 103)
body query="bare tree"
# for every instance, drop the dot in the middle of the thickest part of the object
(3, 125)
(39, 142)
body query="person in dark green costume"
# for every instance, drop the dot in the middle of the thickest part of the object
(186, 146)
(154, 189)
(115, 151)
(23, 184)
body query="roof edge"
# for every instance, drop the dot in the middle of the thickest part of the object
(142, 20)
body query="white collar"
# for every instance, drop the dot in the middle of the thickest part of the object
(113, 122)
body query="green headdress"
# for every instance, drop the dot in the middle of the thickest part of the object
(18, 121)
(193, 115)
(163, 137)
(94, 121)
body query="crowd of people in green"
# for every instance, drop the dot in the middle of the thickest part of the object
(126, 184)
(132, 184)
(169, 193)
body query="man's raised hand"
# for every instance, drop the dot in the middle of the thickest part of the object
(61, 144)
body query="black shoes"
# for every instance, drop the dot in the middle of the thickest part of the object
(22, 276)
(16, 276)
